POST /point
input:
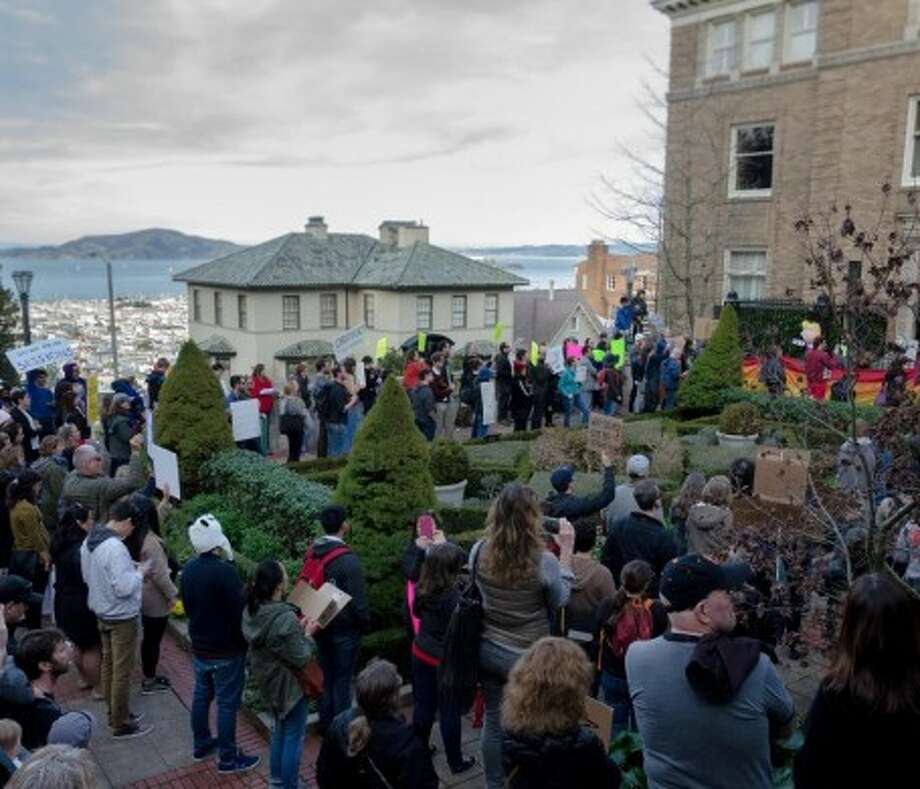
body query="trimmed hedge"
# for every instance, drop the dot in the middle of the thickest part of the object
(524, 435)
(461, 519)
(801, 411)
(315, 465)
(718, 366)
(501, 476)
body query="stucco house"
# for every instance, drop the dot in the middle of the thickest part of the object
(288, 299)
(549, 316)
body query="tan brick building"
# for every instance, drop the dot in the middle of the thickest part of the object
(777, 108)
(603, 278)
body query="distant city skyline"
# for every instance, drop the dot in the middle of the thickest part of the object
(491, 122)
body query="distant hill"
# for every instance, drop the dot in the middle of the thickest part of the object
(152, 244)
(553, 250)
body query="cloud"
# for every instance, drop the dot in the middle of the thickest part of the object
(28, 15)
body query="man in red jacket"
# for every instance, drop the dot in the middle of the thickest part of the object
(817, 360)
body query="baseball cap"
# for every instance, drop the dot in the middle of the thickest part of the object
(562, 477)
(637, 466)
(688, 580)
(14, 589)
(73, 728)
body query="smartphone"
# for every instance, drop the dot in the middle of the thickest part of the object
(426, 526)
(551, 525)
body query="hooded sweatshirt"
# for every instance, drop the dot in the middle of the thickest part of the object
(593, 583)
(277, 648)
(710, 530)
(114, 582)
(40, 397)
(557, 761)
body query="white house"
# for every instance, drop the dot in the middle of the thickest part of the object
(286, 300)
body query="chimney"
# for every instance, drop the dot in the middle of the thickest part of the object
(552, 290)
(597, 251)
(316, 228)
(400, 233)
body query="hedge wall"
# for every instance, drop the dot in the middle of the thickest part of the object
(802, 411)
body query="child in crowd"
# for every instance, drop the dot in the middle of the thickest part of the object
(711, 524)
(12, 754)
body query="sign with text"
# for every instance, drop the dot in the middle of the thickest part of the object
(345, 343)
(781, 475)
(555, 359)
(319, 605)
(605, 434)
(245, 418)
(165, 469)
(39, 355)
(489, 403)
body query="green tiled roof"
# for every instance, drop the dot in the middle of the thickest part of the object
(340, 259)
(306, 349)
(215, 345)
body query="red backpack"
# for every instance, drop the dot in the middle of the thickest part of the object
(634, 623)
(314, 568)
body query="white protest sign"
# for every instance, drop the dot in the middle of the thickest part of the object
(165, 469)
(345, 343)
(148, 416)
(489, 403)
(39, 354)
(581, 374)
(360, 375)
(555, 359)
(245, 417)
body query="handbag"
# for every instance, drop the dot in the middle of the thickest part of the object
(290, 423)
(310, 678)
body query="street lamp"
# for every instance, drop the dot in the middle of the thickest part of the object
(112, 332)
(23, 281)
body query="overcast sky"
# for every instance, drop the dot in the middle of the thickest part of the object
(489, 119)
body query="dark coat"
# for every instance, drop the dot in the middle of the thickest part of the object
(566, 762)
(639, 536)
(565, 505)
(345, 572)
(210, 584)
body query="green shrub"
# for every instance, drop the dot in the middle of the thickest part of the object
(801, 411)
(234, 523)
(190, 419)
(283, 503)
(467, 539)
(485, 481)
(717, 460)
(740, 419)
(391, 644)
(455, 520)
(523, 435)
(393, 363)
(718, 366)
(259, 545)
(381, 561)
(307, 467)
(449, 463)
(329, 478)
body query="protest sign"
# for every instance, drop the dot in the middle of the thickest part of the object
(534, 353)
(245, 418)
(39, 355)
(345, 344)
(498, 332)
(599, 719)
(422, 341)
(360, 375)
(381, 350)
(92, 399)
(555, 359)
(781, 475)
(489, 403)
(618, 349)
(148, 420)
(572, 350)
(165, 469)
(319, 605)
(605, 434)
(581, 374)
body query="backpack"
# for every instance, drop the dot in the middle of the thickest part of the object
(314, 568)
(634, 623)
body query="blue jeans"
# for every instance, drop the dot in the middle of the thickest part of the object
(612, 408)
(338, 654)
(221, 679)
(479, 429)
(287, 746)
(264, 439)
(355, 418)
(428, 701)
(616, 695)
(670, 399)
(572, 403)
(495, 664)
(337, 435)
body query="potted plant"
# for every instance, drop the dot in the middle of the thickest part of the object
(739, 426)
(450, 469)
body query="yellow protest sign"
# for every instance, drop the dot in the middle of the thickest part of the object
(92, 399)
(422, 341)
(534, 353)
(498, 332)
(381, 348)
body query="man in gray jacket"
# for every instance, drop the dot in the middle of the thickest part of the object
(115, 586)
(88, 485)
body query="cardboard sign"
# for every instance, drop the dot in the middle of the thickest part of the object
(781, 475)
(319, 605)
(489, 403)
(39, 355)
(245, 417)
(345, 343)
(165, 469)
(599, 719)
(555, 359)
(605, 434)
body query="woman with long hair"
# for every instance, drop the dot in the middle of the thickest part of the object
(280, 645)
(691, 492)
(71, 611)
(412, 370)
(70, 411)
(293, 420)
(869, 702)
(436, 596)
(545, 744)
(31, 557)
(523, 586)
(370, 745)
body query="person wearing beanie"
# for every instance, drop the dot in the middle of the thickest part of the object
(75, 729)
(329, 559)
(210, 584)
(624, 503)
(563, 503)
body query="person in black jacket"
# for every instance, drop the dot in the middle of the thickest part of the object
(545, 745)
(641, 535)
(539, 375)
(521, 394)
(371, 746)
(503, 382)
(339, 641)
(435, 599)
(563, 503)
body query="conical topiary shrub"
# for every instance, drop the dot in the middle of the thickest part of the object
(385, 486)
(717, 368)
(190, 419)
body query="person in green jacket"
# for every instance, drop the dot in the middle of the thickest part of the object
(280, 644)
(88, 485)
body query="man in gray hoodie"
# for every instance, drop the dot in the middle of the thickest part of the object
(115, 586)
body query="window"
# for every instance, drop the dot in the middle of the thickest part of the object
(746, 274)
(491, 313)
(912, 144)
(218, 308)
(290, 313)
(761, 32)
(242, 311)
(573, 324)
(196, 305)
(423, 312)
(458, 312)
(328, 310)
(611, 282)
(752, 161)
(801, 31)
(721, 48)
(369, 316)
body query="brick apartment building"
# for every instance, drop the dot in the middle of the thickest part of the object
(777, 108)
(603, 278)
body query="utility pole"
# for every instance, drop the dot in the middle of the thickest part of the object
(108, 276)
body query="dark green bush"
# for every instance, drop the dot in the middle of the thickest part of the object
(485, 481)
(461, 519)
(190, 419)
(524, 435)
(315, 465)
(381, 560)
(329, 478)
(740, 419)
(718, 367)
(800, 411)
(391, 644)
(467, 539)
(449, 463)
